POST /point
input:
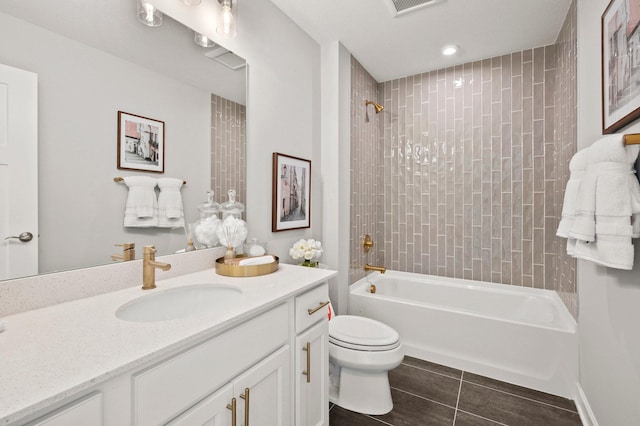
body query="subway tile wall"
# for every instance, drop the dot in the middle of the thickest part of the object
(465, 174)
(228, 149)
(367, 198)
(566, 136)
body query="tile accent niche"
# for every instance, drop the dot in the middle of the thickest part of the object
(462, 175)
(228, 149)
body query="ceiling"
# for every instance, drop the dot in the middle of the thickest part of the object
(111, 26)
(390, 46)
(387, 46)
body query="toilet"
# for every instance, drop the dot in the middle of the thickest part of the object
(361, 352)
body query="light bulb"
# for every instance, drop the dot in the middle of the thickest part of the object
(226, 24)
(148, 14)
(202, 40)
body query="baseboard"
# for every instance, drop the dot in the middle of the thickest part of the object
(584, 409)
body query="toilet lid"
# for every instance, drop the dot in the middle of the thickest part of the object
(356, 332)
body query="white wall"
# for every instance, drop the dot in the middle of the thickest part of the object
(608, 299)
(80, 91)
(283, 104)
(336, 164)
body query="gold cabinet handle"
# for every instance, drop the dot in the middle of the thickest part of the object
(317, 308)
(307, 373)
(245, 396)
(232, 407)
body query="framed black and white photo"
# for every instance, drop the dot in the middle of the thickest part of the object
(140, 143)
(620, 64)
(291, 193)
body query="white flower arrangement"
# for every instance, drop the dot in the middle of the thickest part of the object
(309, 250)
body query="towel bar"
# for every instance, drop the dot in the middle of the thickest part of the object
(631, 139)
(119, 179)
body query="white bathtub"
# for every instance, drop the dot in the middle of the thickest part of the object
(519, 335)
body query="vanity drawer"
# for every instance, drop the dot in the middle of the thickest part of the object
(308, 307)
(167, 389)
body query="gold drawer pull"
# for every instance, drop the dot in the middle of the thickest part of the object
(307, 373)
(316, 309)
(232, 407)
(245, 396)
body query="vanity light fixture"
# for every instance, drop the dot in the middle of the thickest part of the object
(449, 50)
(149, 14)
(226, 24)
(202, 40)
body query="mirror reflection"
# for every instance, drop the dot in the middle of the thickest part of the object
(92, 61)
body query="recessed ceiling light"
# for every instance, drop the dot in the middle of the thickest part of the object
(449, 50)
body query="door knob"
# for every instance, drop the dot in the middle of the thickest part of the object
(25, 237)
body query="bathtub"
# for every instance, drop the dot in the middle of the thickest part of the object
(518, 335)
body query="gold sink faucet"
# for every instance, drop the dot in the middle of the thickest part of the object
(149, 266)
(128, 252)
(380, 269)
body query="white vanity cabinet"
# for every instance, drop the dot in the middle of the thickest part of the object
(267, 356)
(166, 390)
(259, 396)
(312, 358)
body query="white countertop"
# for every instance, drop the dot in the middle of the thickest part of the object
(49, 354)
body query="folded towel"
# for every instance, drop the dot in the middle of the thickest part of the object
(170, 210)
(141, 208)
(577, 167)
(608, 205)
(259, 260)
(607, 187)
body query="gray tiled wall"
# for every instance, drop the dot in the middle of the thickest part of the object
(566, 119)
(366, 186)
(228, 147)
(459, 175)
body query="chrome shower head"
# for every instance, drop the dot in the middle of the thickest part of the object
(376, 105)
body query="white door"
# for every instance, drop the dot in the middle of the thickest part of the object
(18, 172)
(262, 392)
(312, 375)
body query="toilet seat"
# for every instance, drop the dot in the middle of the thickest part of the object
(363, 334)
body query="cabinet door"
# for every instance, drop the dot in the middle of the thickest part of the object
(263, 392)
(212, 411)
(312, 375)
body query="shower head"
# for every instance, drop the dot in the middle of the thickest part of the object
(376, 105)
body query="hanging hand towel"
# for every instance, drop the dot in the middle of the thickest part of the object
(170, 210)
(603, 225)
(577, 167)
(141, 209)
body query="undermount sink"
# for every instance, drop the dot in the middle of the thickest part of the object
(177, 303)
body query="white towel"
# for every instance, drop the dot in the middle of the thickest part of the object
(141, 208)
(577, 167)
(170, 210)
(608, 199)
(258, 260)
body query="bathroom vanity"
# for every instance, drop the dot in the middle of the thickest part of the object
(261, 358)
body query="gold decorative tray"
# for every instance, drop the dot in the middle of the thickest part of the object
(231, 270)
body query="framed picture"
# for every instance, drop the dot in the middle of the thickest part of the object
(140, 143)
(620, 64)
(291, 193)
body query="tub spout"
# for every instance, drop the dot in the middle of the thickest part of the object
(380, 269)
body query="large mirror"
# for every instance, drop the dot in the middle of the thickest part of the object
(92, 60)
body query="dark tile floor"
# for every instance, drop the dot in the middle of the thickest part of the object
(430, 394)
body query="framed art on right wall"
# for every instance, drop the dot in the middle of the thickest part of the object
(620, 64)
